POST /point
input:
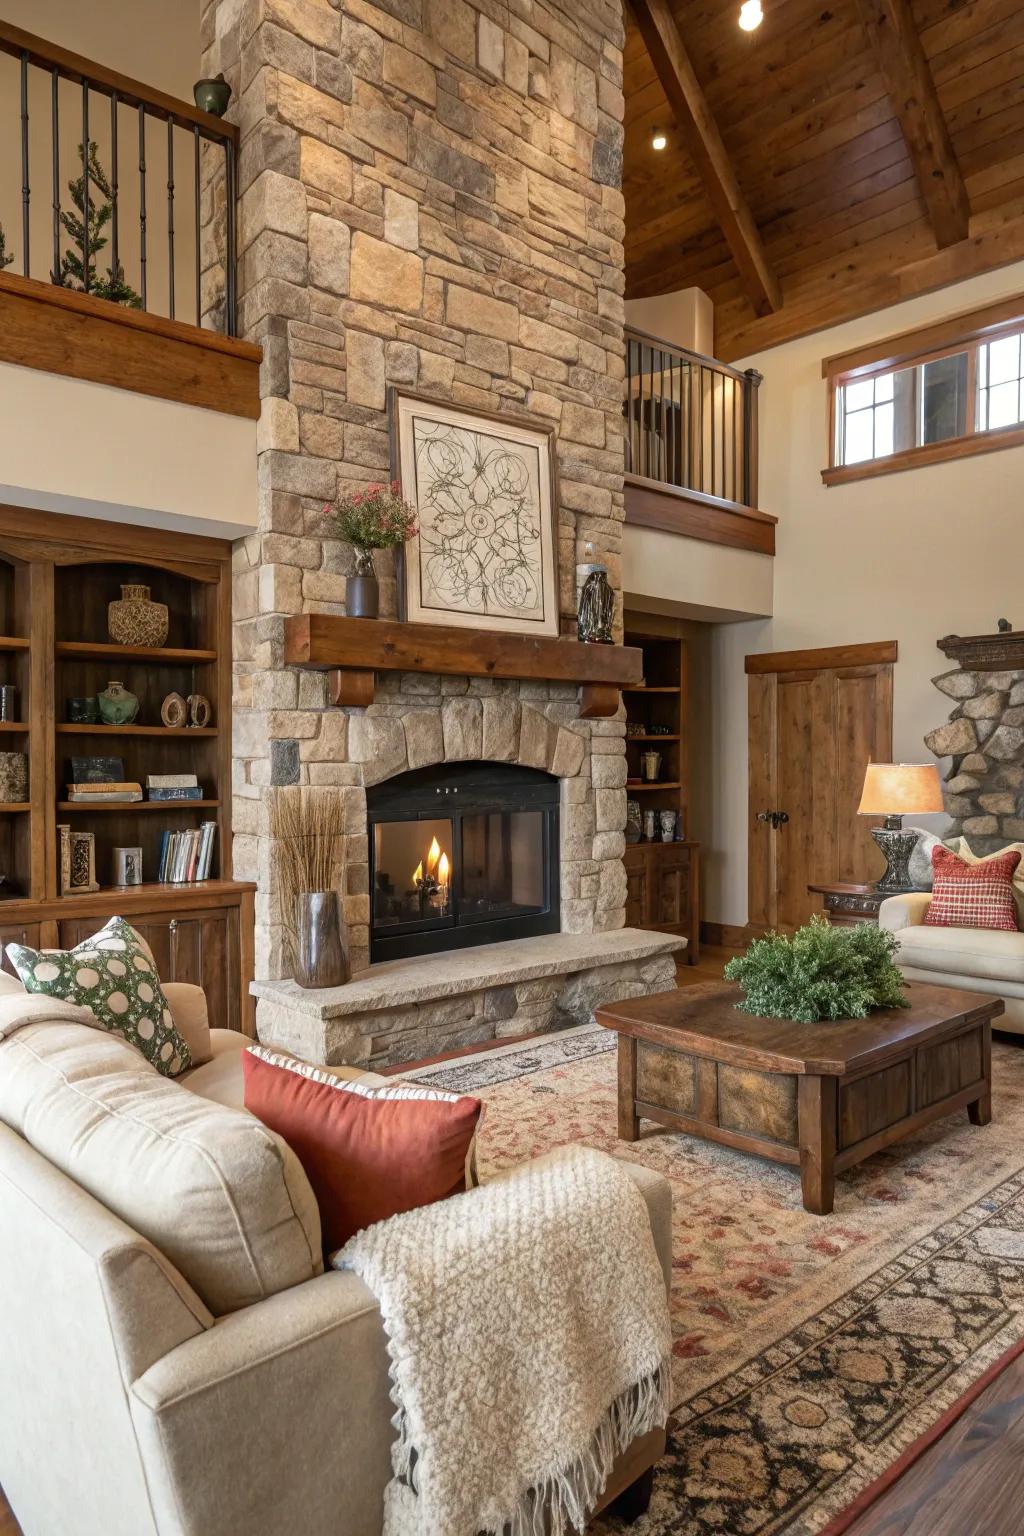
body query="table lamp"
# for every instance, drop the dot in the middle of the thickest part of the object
(894, 790)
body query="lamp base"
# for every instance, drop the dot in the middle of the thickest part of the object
(897, 847)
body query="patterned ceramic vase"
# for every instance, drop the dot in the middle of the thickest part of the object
(136, 620)
(117, 705)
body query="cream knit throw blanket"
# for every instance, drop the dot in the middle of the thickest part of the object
(529, 1339)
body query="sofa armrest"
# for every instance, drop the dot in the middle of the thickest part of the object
(907, 911)
(279, 1408)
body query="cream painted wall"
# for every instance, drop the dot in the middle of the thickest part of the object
(906, 557)
(685, 317)
(666, 573)
(67, 445)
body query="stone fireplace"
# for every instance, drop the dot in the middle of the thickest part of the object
(430, 198)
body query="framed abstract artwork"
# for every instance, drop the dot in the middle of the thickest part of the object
(483, 487)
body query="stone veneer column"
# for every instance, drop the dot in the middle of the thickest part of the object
(430, 197)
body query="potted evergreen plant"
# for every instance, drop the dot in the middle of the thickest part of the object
(819, 972)
(377, 518)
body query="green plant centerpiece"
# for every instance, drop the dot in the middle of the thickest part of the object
(819, 972)
(377, 518)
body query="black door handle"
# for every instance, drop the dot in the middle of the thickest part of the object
(777, 818)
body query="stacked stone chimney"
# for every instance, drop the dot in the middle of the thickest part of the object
(984, 740)
(430, 198)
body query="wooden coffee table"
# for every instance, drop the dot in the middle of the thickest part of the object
(820, 1097)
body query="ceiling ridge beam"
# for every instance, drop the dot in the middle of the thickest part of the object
(697, 125)
(896, 45)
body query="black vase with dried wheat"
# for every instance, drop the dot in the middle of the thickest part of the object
(307, 826)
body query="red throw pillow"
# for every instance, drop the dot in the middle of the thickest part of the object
(369, 1152)
(972, 895)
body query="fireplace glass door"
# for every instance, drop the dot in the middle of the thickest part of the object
(484, 872)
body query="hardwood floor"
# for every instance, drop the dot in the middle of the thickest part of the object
(969, 1483)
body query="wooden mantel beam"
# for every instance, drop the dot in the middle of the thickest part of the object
(896, 43)
(704, 142)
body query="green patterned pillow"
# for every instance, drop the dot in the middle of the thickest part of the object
(113, 975)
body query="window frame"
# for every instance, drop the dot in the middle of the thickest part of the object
(961, 333)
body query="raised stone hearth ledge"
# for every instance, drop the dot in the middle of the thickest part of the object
(405, 1010)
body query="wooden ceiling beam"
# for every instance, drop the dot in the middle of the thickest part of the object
(700, 133)
(896, 45)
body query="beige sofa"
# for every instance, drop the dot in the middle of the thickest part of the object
(173, 1357)
(977, 959)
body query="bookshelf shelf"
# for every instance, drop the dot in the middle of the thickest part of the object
(58, 576)
(157, 732)
(69, 807)
(15, 807)
(89, 650)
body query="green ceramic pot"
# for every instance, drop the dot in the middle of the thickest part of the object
(117, 705)
(212, 95)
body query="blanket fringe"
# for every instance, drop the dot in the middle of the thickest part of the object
(564, 1501)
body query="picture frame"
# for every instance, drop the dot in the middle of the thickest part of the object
(484, 489)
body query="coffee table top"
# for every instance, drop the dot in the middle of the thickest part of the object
(705, 1021)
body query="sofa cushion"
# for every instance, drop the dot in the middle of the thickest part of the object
(969, 856)
(191, 1018)
(369, 1152)
(222, 1080)
(993, 953)
(972, 895)
(113, 974)
(219, 1194)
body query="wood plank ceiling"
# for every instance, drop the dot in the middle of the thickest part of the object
(831, 128)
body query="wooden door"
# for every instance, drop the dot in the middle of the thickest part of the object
(815, 721)
(637, 902)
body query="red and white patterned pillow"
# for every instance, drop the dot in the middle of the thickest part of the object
(972, 895)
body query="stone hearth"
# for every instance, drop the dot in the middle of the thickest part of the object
(984, 741)
(407, 1009)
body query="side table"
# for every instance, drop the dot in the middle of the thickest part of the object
(847, 905)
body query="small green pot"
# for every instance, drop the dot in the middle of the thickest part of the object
(212, 96)
(117, 705)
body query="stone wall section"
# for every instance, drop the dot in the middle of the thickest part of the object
(984, 741)
(430, 198)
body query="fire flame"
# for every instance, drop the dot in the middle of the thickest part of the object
(442, 869)
(433, 854)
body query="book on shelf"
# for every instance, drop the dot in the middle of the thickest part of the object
(104, 794)
(171, 781)
(185, 792)
(187, 856)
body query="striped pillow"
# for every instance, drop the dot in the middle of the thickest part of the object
(368, 1151)
(972, 895)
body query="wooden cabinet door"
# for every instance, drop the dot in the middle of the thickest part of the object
(670, 887)
(812, 732)
(637, 885)
(201, 948)
(17, 933)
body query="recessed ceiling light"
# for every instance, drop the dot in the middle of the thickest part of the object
(751, 15)
(658, 141)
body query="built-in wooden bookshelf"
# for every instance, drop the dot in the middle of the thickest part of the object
(57, 576)
(663, 879)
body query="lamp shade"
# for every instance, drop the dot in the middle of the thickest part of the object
(901, 789)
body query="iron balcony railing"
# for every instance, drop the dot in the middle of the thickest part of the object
(691, 421)
(117, 179)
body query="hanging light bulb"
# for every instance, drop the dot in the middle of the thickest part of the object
(751, 15)
(658, 141)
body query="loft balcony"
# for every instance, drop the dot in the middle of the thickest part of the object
(691, 446)
(119, 255)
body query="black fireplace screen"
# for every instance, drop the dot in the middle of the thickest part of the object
(459, 855)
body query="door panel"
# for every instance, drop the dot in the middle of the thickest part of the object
(671, 876)
(635, 860)
(812, 733)
(196, 949)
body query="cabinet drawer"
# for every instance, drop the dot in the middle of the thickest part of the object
(18, 933)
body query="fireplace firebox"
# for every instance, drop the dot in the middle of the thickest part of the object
(461, 855)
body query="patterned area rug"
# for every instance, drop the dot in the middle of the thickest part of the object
(810, 1351)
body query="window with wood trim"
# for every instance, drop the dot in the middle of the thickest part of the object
(946, 391)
